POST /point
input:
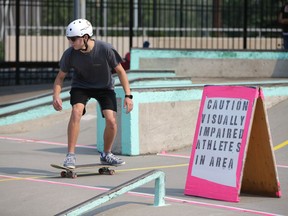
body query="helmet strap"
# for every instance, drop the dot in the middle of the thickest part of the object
(85, 44)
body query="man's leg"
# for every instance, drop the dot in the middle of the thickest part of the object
(74, 126)
(72, 133)
(110, 131)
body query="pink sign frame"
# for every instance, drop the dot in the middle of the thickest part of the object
(205, 177)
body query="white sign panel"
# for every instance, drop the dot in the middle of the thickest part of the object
(219, 140)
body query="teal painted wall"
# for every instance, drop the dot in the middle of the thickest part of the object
(137, 54)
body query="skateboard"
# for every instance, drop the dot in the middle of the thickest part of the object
(71, 173)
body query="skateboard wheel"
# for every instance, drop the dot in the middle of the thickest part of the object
(101, 171)
(74, 175)
(70, 174)
(111, 172)
(63, 174)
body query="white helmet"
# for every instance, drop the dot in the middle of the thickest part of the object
(79, 27)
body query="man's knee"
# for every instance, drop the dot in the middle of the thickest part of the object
(111, 123)
(77, 112)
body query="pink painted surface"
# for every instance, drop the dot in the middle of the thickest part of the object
(214, 189)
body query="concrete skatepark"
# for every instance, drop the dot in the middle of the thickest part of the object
(29, 186)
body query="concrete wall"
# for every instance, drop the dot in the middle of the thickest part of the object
(212, 63)
(167, 126)
(165, 118)
(161, 120)
(165, 113)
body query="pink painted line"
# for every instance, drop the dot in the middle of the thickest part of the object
(282, 166)
(42, 142)
(163, 153)
(5, 177)
(54, 182)
(220, 206)
(145, 195)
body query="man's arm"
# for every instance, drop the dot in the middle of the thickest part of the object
(58, 83)
(128, 103)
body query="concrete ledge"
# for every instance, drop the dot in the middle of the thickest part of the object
(165, 118)
(210, 64)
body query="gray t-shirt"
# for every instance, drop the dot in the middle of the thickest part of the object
(93, 69)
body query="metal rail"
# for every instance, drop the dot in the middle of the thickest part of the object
(92, 203)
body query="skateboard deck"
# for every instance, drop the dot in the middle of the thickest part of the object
(71, 173)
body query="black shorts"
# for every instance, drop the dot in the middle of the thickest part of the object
(105, 97)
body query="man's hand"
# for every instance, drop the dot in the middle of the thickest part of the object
(128, 104)
(57, 103)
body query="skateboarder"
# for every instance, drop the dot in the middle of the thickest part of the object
(92, 62)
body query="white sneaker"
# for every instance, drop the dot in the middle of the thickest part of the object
(111, 159)
(70, 161)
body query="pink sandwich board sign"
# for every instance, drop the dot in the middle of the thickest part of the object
(232, 149)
